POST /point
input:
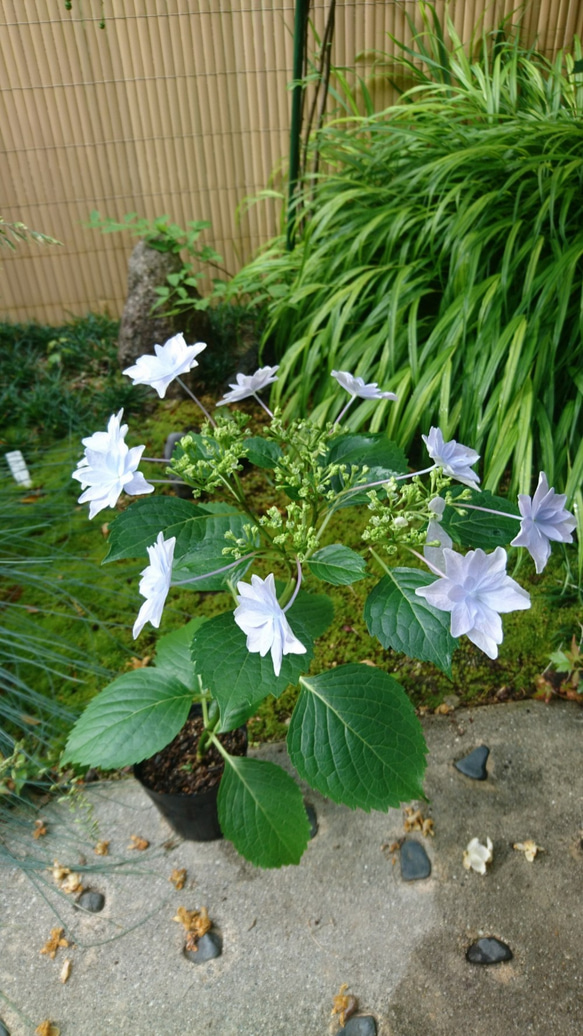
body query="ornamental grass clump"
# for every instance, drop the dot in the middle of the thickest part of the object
(440, 247)
(353, 734)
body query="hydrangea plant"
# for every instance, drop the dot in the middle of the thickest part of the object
(353, 735)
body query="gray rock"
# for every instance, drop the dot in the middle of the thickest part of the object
(415, 863)
(488, 951)
(140, 330)
(209, 947)
(91, 901)
(361, 1025)
(474, 764)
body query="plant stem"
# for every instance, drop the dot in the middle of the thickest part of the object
(197, 401)
(217, 571)
(487, 510)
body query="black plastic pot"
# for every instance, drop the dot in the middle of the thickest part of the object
(193, 817)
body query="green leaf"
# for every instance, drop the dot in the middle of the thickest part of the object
(264, 453)
(137, 528)
(382, 457)
(476, 529)
(354, 736)
(134, 717)
(199, 549)
(173, 653)
(261, 811)
(338, 565)
(374, 450)
(310, 613)
(237, 678)
(400, 620)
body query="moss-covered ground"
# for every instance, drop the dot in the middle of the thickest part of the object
(80, 601)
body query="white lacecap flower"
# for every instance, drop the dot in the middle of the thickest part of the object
(476, 855)
(171, 360)
(357, 387)
(544, 518)
(155, 582)
(475, 589)
(109, 467)
(452, 457)
(249, 385)
(263, 620)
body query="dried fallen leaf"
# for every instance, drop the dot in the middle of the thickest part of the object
(136, 842)
(415, 821)
(59, 872)
(47, 1029)
(40, 829)
(65, 971)
(529, 848)
(368, 661)
(178, 877)
(54, 942)
(102, 849)
(344, 1005)
(72, 883)
(139, 663)
(196, 922)
(443, 709)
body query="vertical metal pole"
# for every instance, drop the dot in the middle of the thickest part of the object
(300, 23)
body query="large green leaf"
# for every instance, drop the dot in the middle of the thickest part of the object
(354, 736)
(134, 717)
(261, 811)
(402, 621)
(477, 529)
(338, 565)
(173, 653)
(137, 528)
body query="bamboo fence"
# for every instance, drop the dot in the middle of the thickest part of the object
(177, 107)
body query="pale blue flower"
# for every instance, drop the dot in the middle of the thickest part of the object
(475, 589)
(108, 468)
(544, 518)
(263, 620)
(356, 386)
(452, 457)
(249, 385)
(171, 360)
(155, 583)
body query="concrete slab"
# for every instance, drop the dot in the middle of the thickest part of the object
(292, 937)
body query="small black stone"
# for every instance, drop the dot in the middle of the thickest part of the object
(91, 901)
(209, 946)
(312, 819)
(362, 1025)
(415, 863)
(488, 951)
(3, 1030)
(474, 764)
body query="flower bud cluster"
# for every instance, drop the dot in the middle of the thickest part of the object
(210, 459)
